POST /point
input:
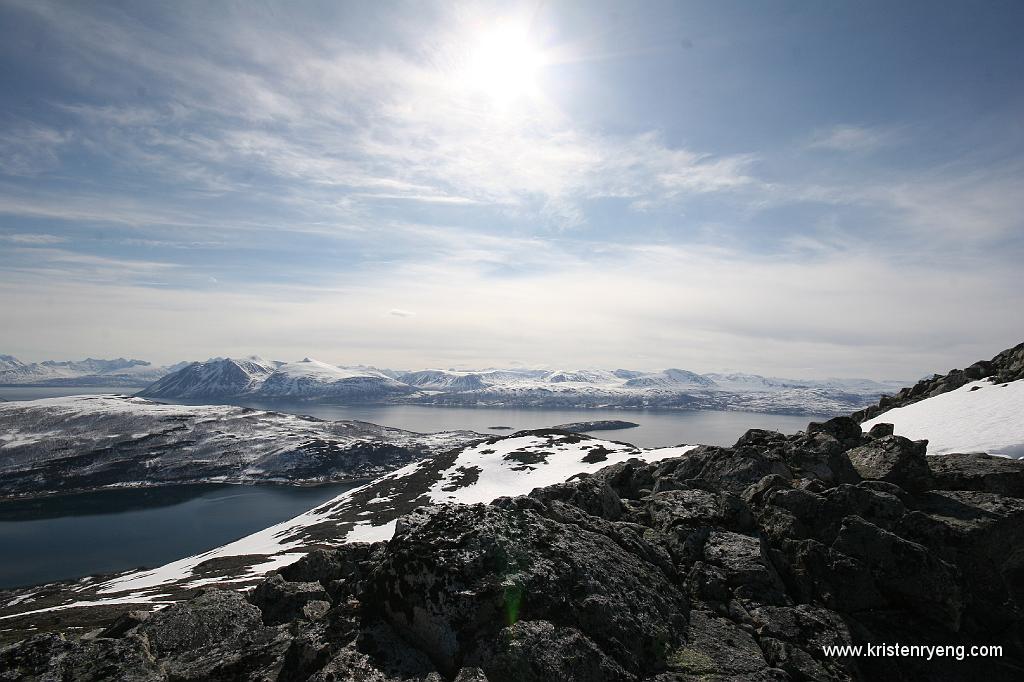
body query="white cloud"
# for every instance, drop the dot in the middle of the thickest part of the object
(332, 115)
(32, 239)
(850, 138)
(649, 306)
(30, 149)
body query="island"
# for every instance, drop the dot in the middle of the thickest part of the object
(597, 425)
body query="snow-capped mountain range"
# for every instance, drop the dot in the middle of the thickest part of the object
(88, 372)
(253, 378)
(228, 380)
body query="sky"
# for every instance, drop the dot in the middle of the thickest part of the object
(804, 189)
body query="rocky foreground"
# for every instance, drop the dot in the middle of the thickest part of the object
(723, 564)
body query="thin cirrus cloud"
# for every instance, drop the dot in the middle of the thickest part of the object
(337, 159)
(851, 138)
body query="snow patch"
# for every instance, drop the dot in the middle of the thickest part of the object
(978, 417)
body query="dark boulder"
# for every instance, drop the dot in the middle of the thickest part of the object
(760, 437)
(895, 460)
(125, 624)
(904, 572)
(589, 494)
(731, 469)
(978, 471)
(538, 651)
(881, 430)
(214, 617)
(281, 601)
(53, 657)
(328, 565)
(716, 648)
(843, 429)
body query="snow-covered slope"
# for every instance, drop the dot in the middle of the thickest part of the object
(478, 473)
(88, 372)
(740, 382)
(442, 380)
(256, 378)
(85, 442)
(215, 378)
(978, 417)
(670, 378)
(593, 377)
(311, 378)
(9, 362)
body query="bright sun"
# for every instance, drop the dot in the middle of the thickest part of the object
(505, 64)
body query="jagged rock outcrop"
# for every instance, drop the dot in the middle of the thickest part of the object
(736, 563)
(1004, 367)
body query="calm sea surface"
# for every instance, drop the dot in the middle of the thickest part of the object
(71, 536)
(101, 532)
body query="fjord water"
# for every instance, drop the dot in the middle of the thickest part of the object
(657, 428)
(71, 536)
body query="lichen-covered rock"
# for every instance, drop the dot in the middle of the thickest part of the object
(895, 460)
(328, 565)
(716, 648)
(904, 572)
(730, 469)
(280, 600)
(125, 624)
(843, 429)
(214, 617)
(538, 651)
(53, 657)
(589, 494)
(881, 430)
(978, 471)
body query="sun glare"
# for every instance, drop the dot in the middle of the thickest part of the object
(505, 64)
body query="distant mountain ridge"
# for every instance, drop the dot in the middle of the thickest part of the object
(88, 372)
(254, 378)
